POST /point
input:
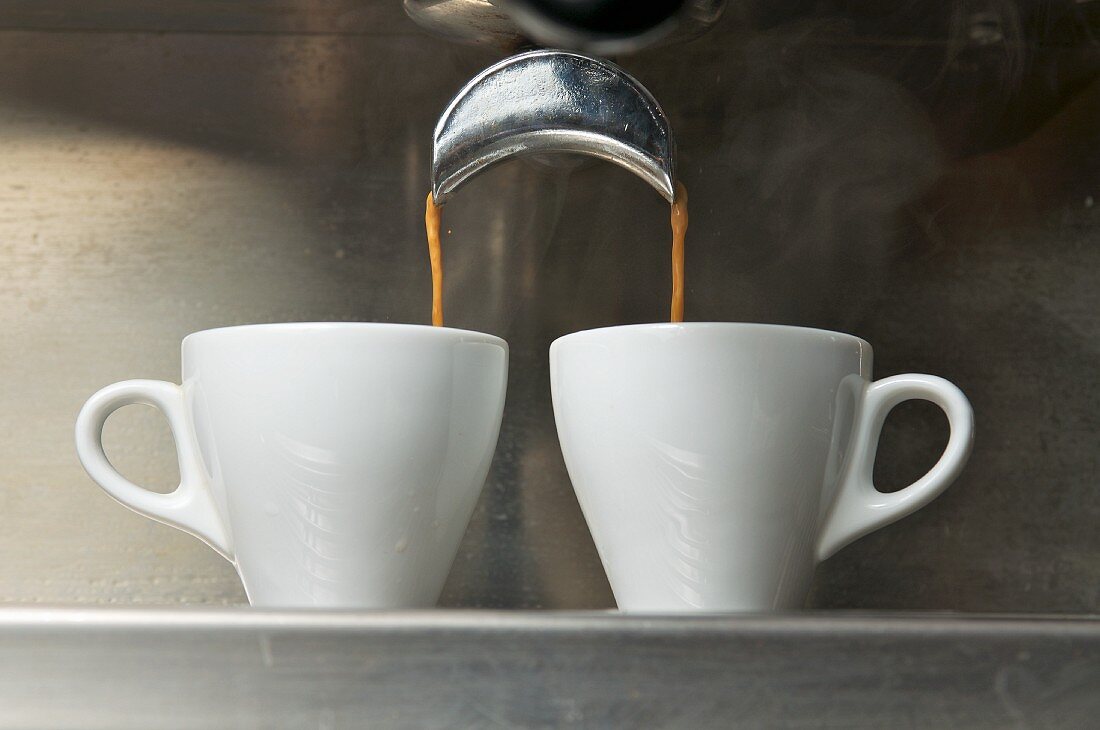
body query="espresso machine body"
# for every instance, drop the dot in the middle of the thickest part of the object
(923, 176)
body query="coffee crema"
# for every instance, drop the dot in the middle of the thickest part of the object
(433, 221)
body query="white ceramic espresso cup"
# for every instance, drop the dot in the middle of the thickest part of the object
(718, 463)
(336, 465)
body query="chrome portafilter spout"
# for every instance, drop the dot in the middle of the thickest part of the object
(550, 101)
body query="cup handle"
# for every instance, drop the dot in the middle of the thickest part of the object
(858, 507)
(190, 507)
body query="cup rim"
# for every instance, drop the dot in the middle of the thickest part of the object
(427, 330)
(679, 326)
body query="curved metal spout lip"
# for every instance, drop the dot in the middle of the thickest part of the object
(552, 101)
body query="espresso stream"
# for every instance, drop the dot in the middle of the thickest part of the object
(679, 232)
(433, 220)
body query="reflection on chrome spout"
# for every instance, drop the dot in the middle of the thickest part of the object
(552, 101)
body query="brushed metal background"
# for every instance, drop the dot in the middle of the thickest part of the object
(932, 189)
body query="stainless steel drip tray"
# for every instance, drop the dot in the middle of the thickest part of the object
(238, 668)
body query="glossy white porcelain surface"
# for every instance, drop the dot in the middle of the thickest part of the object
(336, 465)
(717, 463)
